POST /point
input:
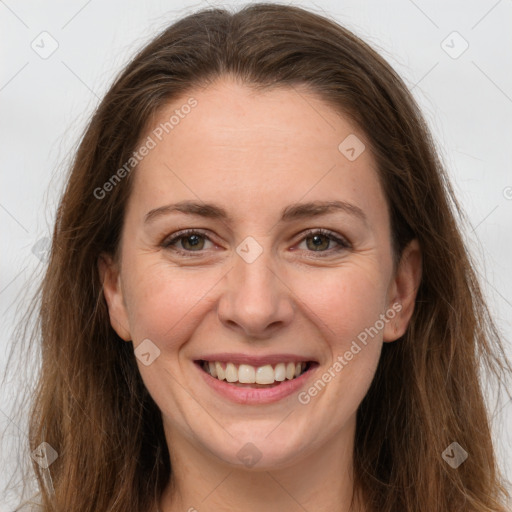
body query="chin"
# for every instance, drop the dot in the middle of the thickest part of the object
(260, 450)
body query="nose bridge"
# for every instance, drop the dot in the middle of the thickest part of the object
(255, 278)
(255, 297)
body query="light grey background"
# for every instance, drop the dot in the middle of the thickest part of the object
(45, 103)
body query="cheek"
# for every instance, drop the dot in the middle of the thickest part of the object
(164, 301)
(347, 305)
(345, 300)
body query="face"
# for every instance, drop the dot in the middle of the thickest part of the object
(267, 276)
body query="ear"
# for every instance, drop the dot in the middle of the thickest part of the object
(402, 292)
(113, 292)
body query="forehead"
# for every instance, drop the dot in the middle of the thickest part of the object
(263, 148)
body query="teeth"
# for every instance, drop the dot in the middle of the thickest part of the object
(231, 373)
(221, 375)
(280, 372)
(290, 371)
(265, 375)
(247, 374)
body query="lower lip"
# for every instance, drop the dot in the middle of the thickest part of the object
(255, 396)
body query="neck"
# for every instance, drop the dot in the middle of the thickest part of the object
(319, 480)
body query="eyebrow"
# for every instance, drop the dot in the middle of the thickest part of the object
(290, 213)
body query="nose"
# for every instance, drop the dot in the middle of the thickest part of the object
(256, 301)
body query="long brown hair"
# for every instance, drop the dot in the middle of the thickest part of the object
(90, 403)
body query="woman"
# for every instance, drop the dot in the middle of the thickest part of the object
(258, 296)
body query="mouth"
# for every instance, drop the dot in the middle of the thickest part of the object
(246, 375)
(250, 384)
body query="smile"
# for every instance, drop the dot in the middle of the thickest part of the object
(255, 384)
(248, 374)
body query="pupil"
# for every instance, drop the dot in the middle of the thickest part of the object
(317, 241)
(191, 241)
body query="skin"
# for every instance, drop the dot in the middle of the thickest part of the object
(255, 153)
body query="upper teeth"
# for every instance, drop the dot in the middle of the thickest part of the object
(247, 374)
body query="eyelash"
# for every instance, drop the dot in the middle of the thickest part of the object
(167, 243)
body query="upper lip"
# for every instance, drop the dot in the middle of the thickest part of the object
(237, 358)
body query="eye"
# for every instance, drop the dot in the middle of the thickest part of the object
(319, 240)
(190, 240)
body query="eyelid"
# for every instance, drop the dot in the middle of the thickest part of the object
(342, 242)
(339, 239)
(175, 237)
